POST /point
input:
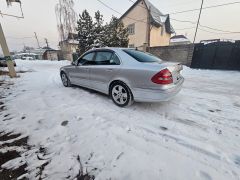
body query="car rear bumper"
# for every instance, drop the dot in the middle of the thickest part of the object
(150, 95)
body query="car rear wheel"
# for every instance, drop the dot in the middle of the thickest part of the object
(65, 80)
(121, 94)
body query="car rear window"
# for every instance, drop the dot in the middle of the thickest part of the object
(142, 56)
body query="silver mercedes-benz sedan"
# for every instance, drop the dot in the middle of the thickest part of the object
(126, 75)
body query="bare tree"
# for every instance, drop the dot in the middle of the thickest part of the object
(66, 18)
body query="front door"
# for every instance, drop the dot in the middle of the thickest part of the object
(80, 73)
(106, 65)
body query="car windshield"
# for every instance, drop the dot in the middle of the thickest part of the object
(142, 56)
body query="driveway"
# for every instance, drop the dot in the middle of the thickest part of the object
(194, 136)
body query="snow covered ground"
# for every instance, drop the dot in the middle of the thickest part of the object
(194, 136)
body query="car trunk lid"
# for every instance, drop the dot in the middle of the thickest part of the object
(175, 69)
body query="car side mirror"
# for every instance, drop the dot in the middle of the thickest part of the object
(74, 63)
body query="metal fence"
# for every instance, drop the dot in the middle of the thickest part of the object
(218, 55)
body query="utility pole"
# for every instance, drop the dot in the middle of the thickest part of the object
(3, 42)
(37, 39)
(46, 42)
(149, 28)
(200, 12)
(48, 48)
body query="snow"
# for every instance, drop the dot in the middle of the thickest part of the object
(163, 18)
(194, 136)
(179, 40)
(73, 41)
(30, 54)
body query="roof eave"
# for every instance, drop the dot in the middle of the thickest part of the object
(129, 10)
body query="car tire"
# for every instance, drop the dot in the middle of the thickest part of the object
(65, 80)
(121, 94)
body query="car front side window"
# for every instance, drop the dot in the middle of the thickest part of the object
(87, 59)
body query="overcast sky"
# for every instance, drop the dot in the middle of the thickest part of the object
(40, 18)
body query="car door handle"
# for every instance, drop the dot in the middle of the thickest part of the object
(109, 70)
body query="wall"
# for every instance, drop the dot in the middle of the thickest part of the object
(179, 43)
(158, 39)
(139, 13)
(178, 53)
(67, 50)
(52, 55)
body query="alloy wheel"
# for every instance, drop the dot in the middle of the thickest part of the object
(119, 94)
(64, 79)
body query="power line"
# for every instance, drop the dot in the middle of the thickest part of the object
(192, 22)
(168, 6)
(190, 10)
(199, 16)
(137, 5)
(180, 4)
(214, 32)
(230, 32)
(143, 8)
(119, 12)
(204, 26)
(10, 37)
(184, 21)
(185, 28)
(207, 7)
(152, 11)
(109, 7)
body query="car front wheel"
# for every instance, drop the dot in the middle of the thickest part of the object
(65, 80)
(121, 94)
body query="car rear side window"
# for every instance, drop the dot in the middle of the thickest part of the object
(115, 60)
(142, 56)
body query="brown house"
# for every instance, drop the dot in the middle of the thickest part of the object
(50, 54)
(147, 25)
(69, 46)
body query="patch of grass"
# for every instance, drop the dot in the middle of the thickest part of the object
(81, 174)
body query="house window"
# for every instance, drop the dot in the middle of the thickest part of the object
(131, 29)
(131, 46)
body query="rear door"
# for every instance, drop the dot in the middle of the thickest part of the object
(106, 65)
(79, 75)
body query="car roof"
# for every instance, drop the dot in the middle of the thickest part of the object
(109, 48)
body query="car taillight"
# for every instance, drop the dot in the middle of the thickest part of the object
(163, 77)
